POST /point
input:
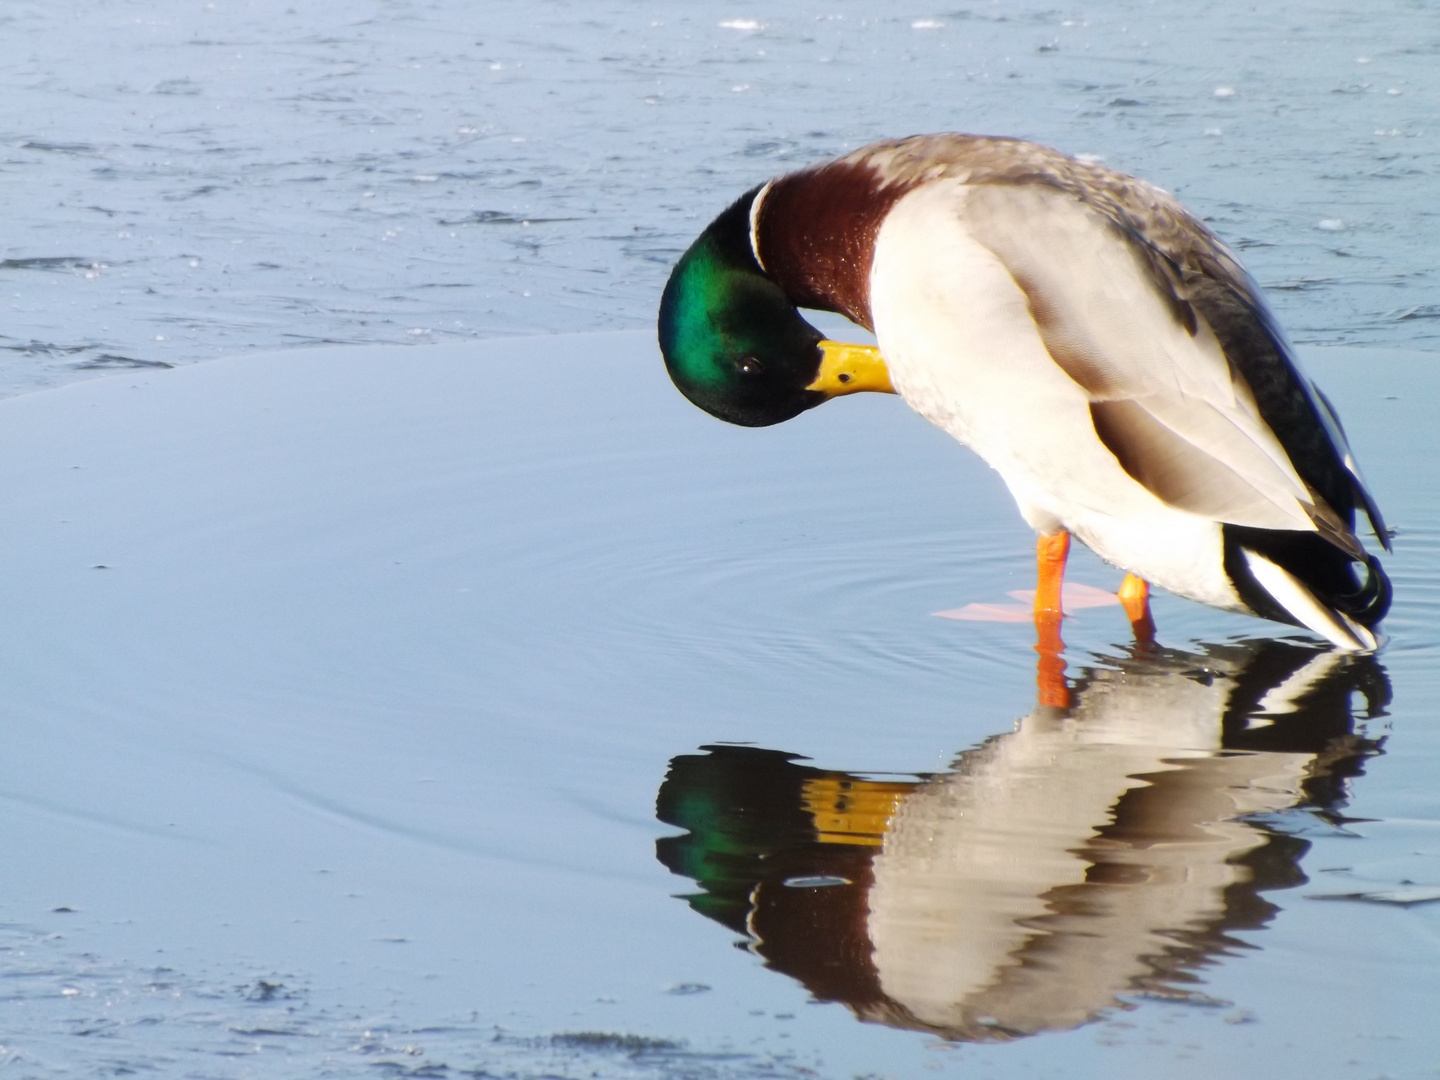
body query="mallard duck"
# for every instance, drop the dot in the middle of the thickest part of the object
(1079, 329)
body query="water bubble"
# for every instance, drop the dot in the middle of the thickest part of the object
(748, 26)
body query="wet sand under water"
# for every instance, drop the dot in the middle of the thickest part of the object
(344, 688)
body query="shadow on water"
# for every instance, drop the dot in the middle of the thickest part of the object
(1095, 855)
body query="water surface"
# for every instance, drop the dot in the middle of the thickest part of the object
(343, 697)
(457, 709)
(187, 180)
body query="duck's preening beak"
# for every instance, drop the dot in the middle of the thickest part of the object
(851, 369)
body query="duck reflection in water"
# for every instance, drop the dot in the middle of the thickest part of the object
(1106, 850)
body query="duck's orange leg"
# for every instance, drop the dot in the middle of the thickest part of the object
(1050, 555)
(1134, 596)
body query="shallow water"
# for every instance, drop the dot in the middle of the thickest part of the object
(435, 711)
(343, 697)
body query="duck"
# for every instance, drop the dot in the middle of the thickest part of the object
(1082, 331)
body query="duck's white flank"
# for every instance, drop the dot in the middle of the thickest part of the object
(1017, 319)
(961, 338)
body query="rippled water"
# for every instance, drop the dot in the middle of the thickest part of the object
(440, 711)
(183, 180)
(343, 696)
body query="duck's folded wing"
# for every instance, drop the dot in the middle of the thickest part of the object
(1166, 399)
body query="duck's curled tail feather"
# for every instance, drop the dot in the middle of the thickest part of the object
(1302, 579)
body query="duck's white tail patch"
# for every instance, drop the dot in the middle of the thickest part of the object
(1295, 597)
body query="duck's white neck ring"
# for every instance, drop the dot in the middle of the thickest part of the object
(755, 222)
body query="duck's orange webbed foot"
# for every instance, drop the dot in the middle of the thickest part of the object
(1134, 596)
(1050, 555)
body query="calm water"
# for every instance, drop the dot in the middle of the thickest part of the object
(357, 721)
(458, 709)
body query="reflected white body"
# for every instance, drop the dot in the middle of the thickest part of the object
(983, 903)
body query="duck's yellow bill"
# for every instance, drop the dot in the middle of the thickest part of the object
(850, 369)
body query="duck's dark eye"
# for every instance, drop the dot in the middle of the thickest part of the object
(749, 365)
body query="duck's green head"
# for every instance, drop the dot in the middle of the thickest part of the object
(735, 344)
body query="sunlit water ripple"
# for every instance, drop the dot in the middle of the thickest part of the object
(185, 183)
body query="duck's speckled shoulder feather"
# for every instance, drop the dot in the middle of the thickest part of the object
(817, 226)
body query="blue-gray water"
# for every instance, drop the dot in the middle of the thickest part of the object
(341, 687)
(183, 179)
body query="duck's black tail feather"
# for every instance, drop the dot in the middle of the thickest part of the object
(1302, 579)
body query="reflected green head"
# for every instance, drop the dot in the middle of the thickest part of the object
(733, 342)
